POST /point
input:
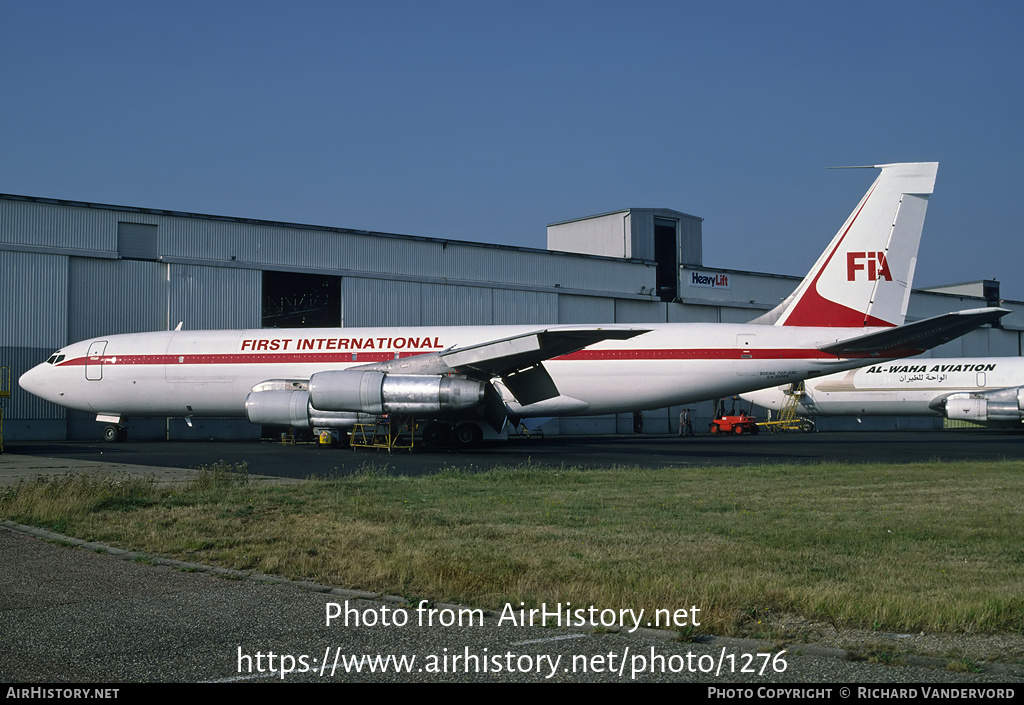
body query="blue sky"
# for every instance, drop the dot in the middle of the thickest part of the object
(487, 121)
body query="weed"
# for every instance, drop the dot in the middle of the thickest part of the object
(687, 635)
(888, 658)
(873, 654)
(964, 665)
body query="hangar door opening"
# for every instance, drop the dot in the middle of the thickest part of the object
(666, 254)
(295, 300)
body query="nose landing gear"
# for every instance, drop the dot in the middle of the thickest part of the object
(115, 433)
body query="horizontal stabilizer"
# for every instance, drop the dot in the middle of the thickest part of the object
(915, 338)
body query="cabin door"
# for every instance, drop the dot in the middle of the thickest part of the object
(94, 360)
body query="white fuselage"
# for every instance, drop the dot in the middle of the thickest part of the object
(210, 373)
(908, 387)
(861, 280)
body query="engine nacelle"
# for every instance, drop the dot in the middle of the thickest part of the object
(276, 407)
(373, 392)
(998, 405)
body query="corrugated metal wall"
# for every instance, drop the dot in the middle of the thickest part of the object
(689, 313)
(380, 302)
(112, 296)
(33, 324)
(628, 234)
(585, 309)
(522, 307)
(727, 314)
(273, 247)
(607, 235)
(34, 300)
(388, 302)
(456, 305)
(691, 241)
(640, 312)
(56, 226)
(212, 297)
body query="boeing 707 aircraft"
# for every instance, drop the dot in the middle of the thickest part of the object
(846, 313)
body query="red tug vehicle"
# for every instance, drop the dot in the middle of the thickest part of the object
(734, 424)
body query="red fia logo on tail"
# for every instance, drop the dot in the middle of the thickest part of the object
(873, 262)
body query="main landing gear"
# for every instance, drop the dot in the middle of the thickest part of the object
(468, 435)
(438, 434)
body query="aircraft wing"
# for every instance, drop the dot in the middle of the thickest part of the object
(517, 360)
(915, 338)
(501, 357)
(505, 356)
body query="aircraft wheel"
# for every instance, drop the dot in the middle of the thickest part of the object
(113, 433)
(468, 435)
(437, 434)
(807, 427)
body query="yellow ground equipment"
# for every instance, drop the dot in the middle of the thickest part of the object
(788, 420)
(390, 432)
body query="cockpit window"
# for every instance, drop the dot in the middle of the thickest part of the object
(55, 359)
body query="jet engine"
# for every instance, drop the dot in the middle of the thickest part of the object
(373, 392)
(292, 408)
(343, 398)
(999, 405)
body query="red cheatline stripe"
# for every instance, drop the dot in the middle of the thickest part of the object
(236, 358)
(347, 357)
(698, 354)
(729, 354)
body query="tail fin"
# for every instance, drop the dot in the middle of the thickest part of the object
(863, 278)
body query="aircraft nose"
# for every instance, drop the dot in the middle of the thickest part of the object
(767, 398)
(34, 382)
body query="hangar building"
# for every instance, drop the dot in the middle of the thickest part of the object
(72, 270)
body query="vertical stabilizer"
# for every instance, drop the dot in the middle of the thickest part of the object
(864, 276)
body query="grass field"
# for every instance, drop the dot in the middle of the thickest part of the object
(930, 546)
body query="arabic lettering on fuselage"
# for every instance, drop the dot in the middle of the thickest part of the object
(922, 377)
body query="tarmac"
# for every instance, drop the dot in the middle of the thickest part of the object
(17, 468)
(22, 468)
(167, 459)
